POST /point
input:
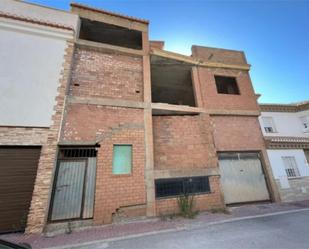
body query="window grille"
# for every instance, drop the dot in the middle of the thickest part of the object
(77, 152)
(290, 165)
(180, 186)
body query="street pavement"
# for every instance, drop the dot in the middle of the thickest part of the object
(289, 230)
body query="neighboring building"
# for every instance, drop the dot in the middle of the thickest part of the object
(33, 46)
(286, 132)
(137, 126)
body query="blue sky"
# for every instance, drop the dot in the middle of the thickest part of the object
(273, 34)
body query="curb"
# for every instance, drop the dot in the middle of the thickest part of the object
(104, 242)
(202, 225)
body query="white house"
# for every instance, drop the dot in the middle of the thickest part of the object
(33, 45)
(286, 132)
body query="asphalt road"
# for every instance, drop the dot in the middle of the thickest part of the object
(278, 231)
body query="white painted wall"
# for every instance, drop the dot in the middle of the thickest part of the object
(277, 165)
(31, 62)
(286, 123)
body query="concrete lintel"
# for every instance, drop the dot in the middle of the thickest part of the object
(176, 108)
(74, 143)
(107, 102)
(110, 19)
(170, 173)
(108, 48)
(194, 61)
(213, 112)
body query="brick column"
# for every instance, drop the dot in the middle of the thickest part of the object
(38, 212)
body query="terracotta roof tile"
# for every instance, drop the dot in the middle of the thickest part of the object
(35, 21)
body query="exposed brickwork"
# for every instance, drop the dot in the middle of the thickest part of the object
(212, 100)
(111, 125)
(219, 55)
(202, 202)
(40, 199)
(183, 142)
(116, 191)
(23, 135)
(235, 133)
(98, 74)
(91, 122)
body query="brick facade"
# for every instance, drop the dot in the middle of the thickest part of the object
(107, 75)
(98, 74)
(23, 135)
(201, 202)
(185, 144)
(109, 126)
(234, 133)
(177, 144)
(37, 216)
(212, 100)
(176, 137)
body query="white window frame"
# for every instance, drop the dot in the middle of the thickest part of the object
(305, 123)
(269, 125)
(290, 166)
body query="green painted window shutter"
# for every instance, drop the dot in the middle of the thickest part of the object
(122, 159)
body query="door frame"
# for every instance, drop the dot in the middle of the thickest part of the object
(264, 170)
(54, 189)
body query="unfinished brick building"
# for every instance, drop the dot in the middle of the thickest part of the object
(142, 126)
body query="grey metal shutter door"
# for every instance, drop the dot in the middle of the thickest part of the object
(18, 168)
(243, 180)
(68, 192)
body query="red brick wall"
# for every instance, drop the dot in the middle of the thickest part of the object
(219, 55)
(202, 202)
(90, 122)
(183, 142)
(116, 191)
(98, 74)
(111, 125)
(212, 100)
(234, 133)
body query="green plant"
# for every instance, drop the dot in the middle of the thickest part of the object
(186, 206)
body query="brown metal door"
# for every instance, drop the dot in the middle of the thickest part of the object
(18, 167)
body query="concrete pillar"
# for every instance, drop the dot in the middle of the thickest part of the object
(149, 162)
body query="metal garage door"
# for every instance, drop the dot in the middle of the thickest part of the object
(242, 178)
(18, 168)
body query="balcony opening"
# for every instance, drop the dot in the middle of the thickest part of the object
(110, 34)
(171, 82)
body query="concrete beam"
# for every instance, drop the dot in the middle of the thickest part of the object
(222, 112)
(177, 108)
(171, 173)
(97, 46)
(107, 102)
(193, 61)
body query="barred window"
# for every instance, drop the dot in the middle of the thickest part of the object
(179, 186)
(290, 165)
